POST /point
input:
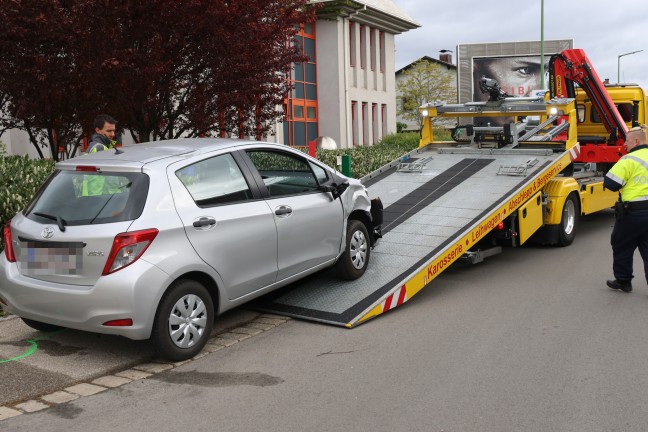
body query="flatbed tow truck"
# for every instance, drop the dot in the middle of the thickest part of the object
(465, 199)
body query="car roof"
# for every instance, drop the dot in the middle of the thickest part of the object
(136, 155)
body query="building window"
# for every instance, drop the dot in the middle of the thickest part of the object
(300, 107)
(309, 48)
(363, 47)
(298, 110)
(383, 115)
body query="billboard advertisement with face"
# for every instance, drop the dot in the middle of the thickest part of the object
(516, 75)
(514, 65)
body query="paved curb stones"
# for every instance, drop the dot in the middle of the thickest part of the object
(257, 326)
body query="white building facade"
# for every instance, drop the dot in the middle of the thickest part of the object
(355, 75)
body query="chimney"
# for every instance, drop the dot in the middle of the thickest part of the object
(445, 56)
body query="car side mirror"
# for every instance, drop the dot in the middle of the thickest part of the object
(335, 189)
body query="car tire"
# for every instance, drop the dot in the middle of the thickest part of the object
(41, 326)
(353, 262)
(183, 321)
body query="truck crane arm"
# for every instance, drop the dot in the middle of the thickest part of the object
(572, 66)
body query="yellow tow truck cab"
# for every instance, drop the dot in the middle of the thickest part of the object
(631, 102)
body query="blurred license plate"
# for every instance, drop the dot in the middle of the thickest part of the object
(46, 258)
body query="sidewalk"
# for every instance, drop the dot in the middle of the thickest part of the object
(39, 369)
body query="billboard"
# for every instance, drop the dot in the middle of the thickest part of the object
(514, 65)
(516, 75)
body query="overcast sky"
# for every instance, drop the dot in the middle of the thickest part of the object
(604, 29)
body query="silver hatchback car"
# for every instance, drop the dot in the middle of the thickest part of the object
(155, 240)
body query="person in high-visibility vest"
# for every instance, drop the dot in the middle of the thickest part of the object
(104, 136)
(630, 176)
(102, 139)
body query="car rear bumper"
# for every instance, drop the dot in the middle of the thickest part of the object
(131, 293)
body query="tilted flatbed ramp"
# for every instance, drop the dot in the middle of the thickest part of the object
(435, 211)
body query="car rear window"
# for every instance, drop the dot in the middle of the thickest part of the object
(215, 181)
(88, 198)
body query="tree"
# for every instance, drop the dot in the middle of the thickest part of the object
(38, 72)
(162, 68)
(422, 83)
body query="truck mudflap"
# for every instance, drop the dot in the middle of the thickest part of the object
(376, 220)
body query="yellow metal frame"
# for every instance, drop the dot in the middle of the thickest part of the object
(594, 197)
(565, 107)
(530, 217)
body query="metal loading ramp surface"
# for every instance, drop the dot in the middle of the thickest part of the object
(431, 217)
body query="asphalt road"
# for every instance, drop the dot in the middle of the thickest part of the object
(529, 340)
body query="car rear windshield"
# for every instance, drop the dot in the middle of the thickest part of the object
(88, 198)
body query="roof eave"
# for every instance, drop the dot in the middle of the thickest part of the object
(367, 15)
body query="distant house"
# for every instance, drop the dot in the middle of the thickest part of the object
(445, 61)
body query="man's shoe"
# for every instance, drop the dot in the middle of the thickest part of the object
(625, 286)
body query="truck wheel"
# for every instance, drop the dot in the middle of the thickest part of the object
(184, 320)
(569, 220)
(353, 262)
(41, 326)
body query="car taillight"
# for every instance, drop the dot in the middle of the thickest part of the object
(86, 168)
(8, 241)
(127, 248)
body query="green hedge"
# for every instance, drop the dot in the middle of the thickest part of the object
(366, 159)
(20, 178)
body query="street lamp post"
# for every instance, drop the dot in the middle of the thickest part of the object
(619, 64)
(542, 61)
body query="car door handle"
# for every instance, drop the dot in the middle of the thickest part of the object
(204, 221)
(283, 211)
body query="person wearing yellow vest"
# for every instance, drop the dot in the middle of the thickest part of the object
(104, 136)
(102, 139)
(630, 176)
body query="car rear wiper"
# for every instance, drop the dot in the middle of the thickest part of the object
(59, 220)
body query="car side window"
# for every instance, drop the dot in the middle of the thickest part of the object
(217, 180)
(320, 173)
(283, 174)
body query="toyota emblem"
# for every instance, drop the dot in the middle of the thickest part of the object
(47, 232)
